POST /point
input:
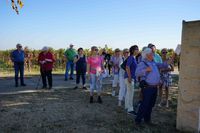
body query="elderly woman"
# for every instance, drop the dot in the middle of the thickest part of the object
(166, 79)
(148, 71)
(46, 60)
(115, 61)
(122, 86)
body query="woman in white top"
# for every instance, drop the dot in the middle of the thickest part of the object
(122, 85)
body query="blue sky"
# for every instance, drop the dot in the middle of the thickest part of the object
(117, 23)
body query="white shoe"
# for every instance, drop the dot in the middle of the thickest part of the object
(159, 105)
(113, 93)
(119, 103)
(167, 104)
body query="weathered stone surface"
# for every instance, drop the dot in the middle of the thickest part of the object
(188, 109)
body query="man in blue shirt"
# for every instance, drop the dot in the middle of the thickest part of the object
(17, 57)
(148, 70)
(156, 57)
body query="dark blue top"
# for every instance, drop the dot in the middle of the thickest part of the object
(132, 64)
(17, 56)
(81, 65)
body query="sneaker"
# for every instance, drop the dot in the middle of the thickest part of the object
(16, 85)
(120, 103)
(71, 78)
(132, 113)
(66, 79)
(23, 84)
(99, 100)
(167, 104)
(44, 87)
(76, 87)
(84, 88)
(159, 105)
(91, 99)
(113, 93)
(50, 87)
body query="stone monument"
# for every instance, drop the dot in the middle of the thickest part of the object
(188, 110)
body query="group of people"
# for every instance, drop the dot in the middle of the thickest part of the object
(129, 68)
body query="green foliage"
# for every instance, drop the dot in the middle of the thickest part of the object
(6, 63)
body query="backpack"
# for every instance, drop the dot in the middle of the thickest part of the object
(123, 65)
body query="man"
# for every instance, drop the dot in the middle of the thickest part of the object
(17, 57)
(148, 71)
(70, 54)
(46, 61)
(156, 57)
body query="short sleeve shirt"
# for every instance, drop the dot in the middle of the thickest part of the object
(95, 63)
(132, 64)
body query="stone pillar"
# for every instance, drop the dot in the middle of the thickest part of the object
(188, 110)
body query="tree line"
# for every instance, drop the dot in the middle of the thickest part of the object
(31, 56)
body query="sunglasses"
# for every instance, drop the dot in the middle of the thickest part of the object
(96, 50)
(164, 52)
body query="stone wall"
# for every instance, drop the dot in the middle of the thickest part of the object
(188, 110)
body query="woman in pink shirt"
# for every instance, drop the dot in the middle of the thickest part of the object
(95, 70)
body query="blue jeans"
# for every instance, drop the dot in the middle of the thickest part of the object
(69, 66)
(19, 67)
(148, 102)
(95, 84)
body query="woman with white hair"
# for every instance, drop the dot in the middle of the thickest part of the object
(46, 61)
(148, 71)
(115, 61)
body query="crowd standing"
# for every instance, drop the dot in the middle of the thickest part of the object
(128, 68)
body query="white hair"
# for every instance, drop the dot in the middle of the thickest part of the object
(45, 48)
(145, 52)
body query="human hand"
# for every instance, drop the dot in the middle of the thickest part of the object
(42, 62)
(129, 80)
(148, 69)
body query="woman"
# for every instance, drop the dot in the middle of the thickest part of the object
(95, 69)
(46, 61)
(148, 70)
(166, 79)
(130, 78)
(115, 61)
(122, 86)
(81, 67)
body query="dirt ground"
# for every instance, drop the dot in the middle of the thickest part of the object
(65, 110)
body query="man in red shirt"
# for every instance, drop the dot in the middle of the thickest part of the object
(46, 61)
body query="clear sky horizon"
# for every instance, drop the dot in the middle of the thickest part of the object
(117, 23)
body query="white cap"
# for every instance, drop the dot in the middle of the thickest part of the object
(145, 52)
(45, 48)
